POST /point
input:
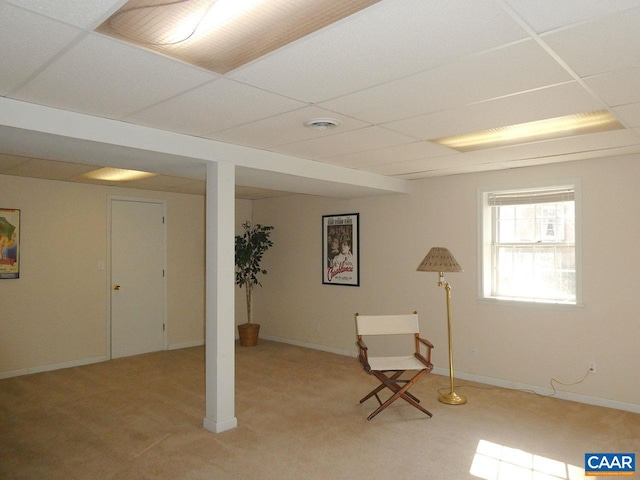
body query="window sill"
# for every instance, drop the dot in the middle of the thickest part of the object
(528, 303)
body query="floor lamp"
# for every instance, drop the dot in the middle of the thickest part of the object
(440, 260)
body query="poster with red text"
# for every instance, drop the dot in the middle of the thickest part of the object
(341, 250)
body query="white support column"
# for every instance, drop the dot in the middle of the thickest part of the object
(220, 309)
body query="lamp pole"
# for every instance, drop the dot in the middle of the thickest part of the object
(451, 398)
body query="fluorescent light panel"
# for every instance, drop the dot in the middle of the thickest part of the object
(222, 35)
(117, 174)
(579, 124)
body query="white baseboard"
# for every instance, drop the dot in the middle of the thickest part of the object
(178, 346)
(574, 397)
(79, 363)
(312, 346)
(53, 366)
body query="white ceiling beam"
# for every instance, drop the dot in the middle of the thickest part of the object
(167, 150)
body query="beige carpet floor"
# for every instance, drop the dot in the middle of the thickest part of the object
(298, 418)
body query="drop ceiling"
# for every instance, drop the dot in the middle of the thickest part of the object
(395, 75)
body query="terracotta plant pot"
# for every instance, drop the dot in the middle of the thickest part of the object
(248, 334)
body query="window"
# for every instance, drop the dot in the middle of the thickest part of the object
(529, 245)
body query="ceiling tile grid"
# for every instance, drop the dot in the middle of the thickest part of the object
(215, 106)
(38, 168)
(602, 45)
(286, 128)
(515, 68)
(27, 42)
(85, 14)
(102, 77)
(390, 155)
(617, 88)
(395, 75)
(555, 101)
(629, 114)
(372, 137)
(546, 15)
(387, 41)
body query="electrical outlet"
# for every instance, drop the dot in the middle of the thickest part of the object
(592, 367)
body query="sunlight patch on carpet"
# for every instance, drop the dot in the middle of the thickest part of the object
(493, 461)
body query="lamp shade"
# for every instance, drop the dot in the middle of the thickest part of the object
(439, 259)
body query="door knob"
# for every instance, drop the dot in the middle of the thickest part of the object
(116, 286)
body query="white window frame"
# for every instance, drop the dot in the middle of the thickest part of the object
(485, 233)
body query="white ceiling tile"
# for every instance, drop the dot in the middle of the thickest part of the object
(600, 155)
(386, 41)
(505, 71)
(218, 105)
(594, 142)
(630, 114)
(104, 77)
(83, 14)
(417, 165)
(369, 138)
(394, 154)
(592, 145)
(285, 128)
(540, 104)
(38, 168)
(600, 46)
(166, 183)
(27, 42)
(617, 88)
(546, 15)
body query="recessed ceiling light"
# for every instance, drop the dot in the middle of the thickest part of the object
(117, 174)
(570, 125)
(322, 123)
(221, 35)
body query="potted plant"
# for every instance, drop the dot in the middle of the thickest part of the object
(250, 247)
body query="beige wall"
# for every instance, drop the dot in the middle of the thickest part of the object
(518, 345)
(56, 313)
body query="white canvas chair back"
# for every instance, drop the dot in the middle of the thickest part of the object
(387, 324)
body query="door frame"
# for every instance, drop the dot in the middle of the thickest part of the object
(110, 200)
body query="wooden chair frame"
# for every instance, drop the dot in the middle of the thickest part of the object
(388, 370)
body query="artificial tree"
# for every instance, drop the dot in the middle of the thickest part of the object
(249, 249)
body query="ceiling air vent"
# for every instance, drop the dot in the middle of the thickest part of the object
(322, 124)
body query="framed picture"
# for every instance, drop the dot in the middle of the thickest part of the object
(9, 243)
(341, 250)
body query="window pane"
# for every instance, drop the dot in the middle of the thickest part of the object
(541, 272)
(504, 224)
(547, 222)
(525, 223)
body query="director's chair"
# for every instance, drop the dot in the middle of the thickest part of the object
(388, 370)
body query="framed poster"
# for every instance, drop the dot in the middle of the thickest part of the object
(341, 250)
(9, 243)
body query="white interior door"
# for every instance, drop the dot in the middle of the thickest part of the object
(137, 277)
